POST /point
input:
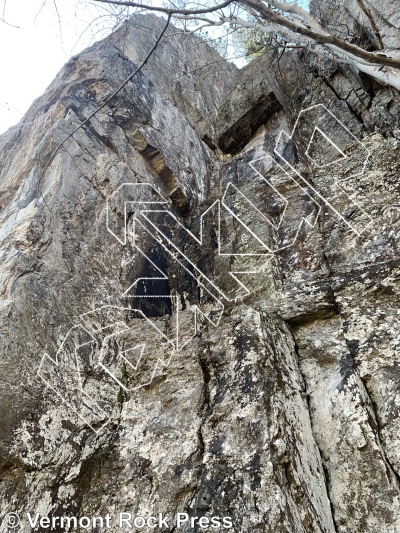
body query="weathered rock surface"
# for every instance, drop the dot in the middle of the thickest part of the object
(282, 411)
(378, 23)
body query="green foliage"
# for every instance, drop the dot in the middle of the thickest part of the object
(220, 43)
(251, 42)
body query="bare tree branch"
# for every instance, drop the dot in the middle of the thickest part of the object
(372, 22)
(174, 11)
(322, 38)
(3, 17)
(59, 24)
(9, 24)
(303, 24)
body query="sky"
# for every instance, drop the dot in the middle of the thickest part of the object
(31, 55)
(37, 39)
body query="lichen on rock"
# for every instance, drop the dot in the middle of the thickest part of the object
(199, 293)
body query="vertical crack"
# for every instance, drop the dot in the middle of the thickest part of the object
(325, 469)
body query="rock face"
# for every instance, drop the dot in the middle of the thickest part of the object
(199, 312)
(375, 23)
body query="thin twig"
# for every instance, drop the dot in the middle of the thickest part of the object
(38, 13)
(3, 17)
(169, 11)
(375, 28)
(59, 25)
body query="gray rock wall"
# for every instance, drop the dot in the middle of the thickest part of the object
(281, 410)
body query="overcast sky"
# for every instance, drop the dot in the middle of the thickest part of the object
(49, 32)
(31, 55)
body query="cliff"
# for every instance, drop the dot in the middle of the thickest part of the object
(199, 299)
